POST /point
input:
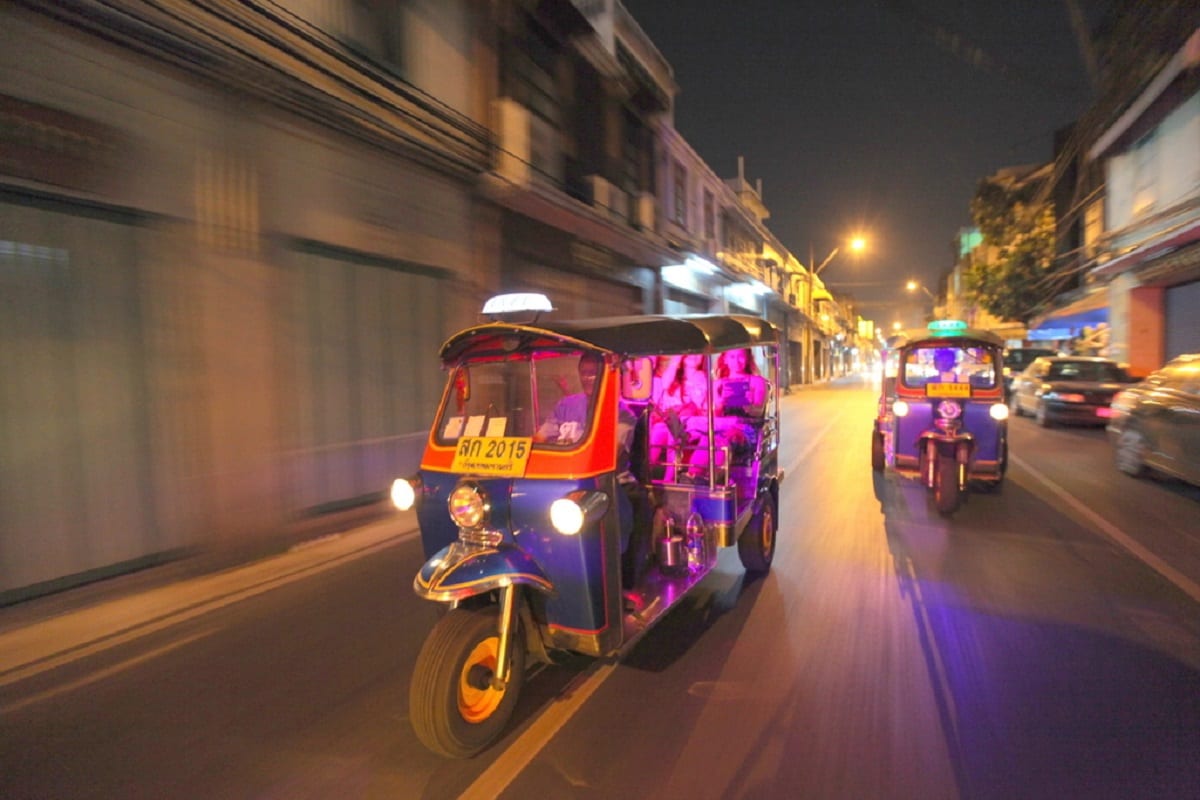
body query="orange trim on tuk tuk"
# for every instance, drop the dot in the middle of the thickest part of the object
(595, 454)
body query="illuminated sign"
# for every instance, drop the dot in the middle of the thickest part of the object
(947, 325)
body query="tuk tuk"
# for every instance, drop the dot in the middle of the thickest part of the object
(942, 413)
(562, 510)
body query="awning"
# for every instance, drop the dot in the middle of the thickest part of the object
(1065, 322)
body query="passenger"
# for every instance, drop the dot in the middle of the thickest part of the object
(740, 395)
(666, 402)
(740, 391)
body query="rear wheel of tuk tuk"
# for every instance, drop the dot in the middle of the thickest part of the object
(946, 490)
(877, 460)
(756, 545)
(455, 710)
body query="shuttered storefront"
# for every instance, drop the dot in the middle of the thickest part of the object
(74, 416)
(1183, 319)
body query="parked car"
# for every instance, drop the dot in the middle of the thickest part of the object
(1076, 389)
(1016, 359)
(1155, 425)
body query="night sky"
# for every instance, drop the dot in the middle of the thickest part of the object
(872, 115)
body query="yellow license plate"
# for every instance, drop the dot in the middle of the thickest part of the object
(492, 455)
(947, 390)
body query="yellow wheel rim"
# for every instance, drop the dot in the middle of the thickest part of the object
(476, 704)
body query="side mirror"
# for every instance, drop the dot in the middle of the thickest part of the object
(636, 379)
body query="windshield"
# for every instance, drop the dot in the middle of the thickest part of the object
(547, 396)
(937, 363)
(1098, 371)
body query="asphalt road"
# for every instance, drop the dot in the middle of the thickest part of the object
(1042, 642)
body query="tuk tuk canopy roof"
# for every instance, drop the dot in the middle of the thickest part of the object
(947, 338)
(641, 335)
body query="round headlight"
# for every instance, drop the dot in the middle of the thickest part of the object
(468, 505)
(900, 408)
(566, 516)
(998, 411)
(404, 494)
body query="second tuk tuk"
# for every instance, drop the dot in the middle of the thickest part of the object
(942, 413)
(563, 508)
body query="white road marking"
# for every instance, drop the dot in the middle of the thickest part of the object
(1181, 581)
(100, 675)
(496, 778)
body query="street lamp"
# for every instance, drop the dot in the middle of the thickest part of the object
(856, 244)
(912, 286)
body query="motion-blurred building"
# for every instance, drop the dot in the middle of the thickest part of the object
(234, 235)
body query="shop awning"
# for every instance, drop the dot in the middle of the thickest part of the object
(1066, 321)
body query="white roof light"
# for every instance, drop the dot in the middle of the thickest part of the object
(518, 301)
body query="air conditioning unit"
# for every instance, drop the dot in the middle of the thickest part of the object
(645, 211)
(607, 197)
(601, 191)
(514, 155)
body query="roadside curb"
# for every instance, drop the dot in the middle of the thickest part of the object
(46, 643)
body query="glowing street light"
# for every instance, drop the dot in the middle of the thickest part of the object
(912, 286)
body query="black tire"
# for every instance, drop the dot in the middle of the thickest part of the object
(1042, 415)
(946, 491)
(877, 459)
(453, 711)
(1129, 452)
(756, 545)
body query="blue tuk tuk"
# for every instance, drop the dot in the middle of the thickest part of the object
(942, 412)
(562, 508)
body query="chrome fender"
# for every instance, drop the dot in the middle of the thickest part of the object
(461, 570)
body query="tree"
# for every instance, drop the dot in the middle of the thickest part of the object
(1018, 227)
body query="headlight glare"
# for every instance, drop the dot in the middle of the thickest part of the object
(900, 408)
(404, 493)
(998, 412)
(566, 516)
(571, 514)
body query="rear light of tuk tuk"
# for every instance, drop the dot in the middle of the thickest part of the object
(569, 515)
(900, 408)
(405, 492)
(469, 505)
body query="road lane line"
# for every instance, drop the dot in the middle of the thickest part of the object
(1181, 581)
(104, 673)
(513, 761)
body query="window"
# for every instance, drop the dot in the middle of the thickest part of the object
(710, 216)
(679, 207)
(1144, 177)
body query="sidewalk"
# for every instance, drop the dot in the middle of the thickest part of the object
(47, 632)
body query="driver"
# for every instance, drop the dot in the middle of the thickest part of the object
(569, 420)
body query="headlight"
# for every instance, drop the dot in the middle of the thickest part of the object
(570, 514)
(469, 505)
(404, 492)
(900, 408)
(998, 411)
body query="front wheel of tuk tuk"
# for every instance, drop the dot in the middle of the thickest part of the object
(756, 545)
(877, 457)
(947, 492)
(454, 708)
